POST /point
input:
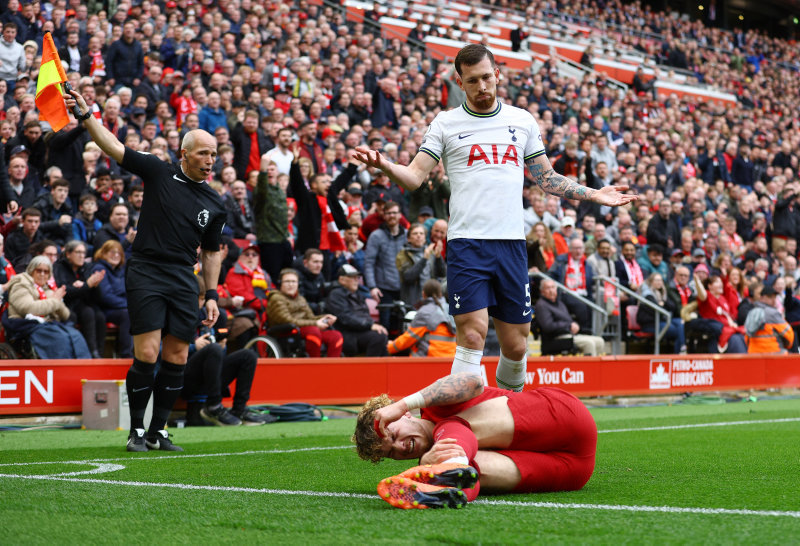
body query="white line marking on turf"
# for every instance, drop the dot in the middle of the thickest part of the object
(703, 425)
(187, 456)
(556, 505)
(662, 509)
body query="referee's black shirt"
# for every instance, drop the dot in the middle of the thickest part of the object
(178, 214)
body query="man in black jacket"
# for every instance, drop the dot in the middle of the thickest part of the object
(555, 321)
(663, 229)
(56, 223)
(312, 282)
(361, 334)
(244, 137)
(65, 149)
(125, 59)
(786, 217)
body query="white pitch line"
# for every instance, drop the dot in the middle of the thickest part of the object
(187, 456)
(704, 425)
(335, 494)
(661, 509)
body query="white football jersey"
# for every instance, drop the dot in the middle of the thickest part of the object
(484, 156)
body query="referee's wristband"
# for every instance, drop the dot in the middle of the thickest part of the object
(212, 295)
(87, 115)
(414, 401)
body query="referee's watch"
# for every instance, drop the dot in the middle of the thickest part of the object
(87, 115)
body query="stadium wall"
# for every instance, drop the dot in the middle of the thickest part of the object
(48, 387)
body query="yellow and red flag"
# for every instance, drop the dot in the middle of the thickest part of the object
(49, 98)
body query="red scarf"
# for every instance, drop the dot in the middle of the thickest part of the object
(635, 275)
(684, 292)
(42, 295)
(575, 279)
(254, 164)
(329, 237)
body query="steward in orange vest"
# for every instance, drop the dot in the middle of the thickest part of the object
(433, 330)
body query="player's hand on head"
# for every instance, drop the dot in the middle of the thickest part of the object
(444, 449)
(388, 415)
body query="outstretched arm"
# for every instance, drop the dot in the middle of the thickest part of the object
(409, 177)
(550, 181)
(451, 389)
(104, 138)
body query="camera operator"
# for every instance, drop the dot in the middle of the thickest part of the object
(210, 371)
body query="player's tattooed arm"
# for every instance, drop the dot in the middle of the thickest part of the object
(453, 389)
(550, 181)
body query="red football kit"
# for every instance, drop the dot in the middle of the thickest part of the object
(554, 443)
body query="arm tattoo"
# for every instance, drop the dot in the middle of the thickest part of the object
(453, 389)
(552, 182)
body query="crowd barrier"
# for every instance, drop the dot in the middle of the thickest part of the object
(48, 387)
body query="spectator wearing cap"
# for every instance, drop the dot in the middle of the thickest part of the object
(12, 54)
(56, 209)
(361, 335)
(125, 59)
(423, 214)
(32, 142)
(773, 334)
(250, 142)
(653, 262)
(561, 237)
(248, 280)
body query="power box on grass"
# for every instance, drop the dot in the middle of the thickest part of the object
(105, 405)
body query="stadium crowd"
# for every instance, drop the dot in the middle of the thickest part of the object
(289, 89)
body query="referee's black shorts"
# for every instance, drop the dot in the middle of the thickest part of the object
(162, 297)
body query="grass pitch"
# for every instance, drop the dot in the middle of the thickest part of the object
(717, 474)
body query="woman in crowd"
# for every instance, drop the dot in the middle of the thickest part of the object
(713, 305)
(72, 272)
(418, 262)
(288, 306)
(541, 248)
(37, 312)
(654, 290)
(112, 297)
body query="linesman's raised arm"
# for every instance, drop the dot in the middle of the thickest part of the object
(104, 138)
(550, 181)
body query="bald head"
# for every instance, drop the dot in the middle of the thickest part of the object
(195, 137)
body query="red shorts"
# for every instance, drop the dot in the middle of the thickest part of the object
(555, 441)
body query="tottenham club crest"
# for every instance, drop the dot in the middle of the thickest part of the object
(202, 218)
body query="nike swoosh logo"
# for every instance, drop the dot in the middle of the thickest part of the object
(175, 176)
(139, 390)
(526, 313)
(462, 137)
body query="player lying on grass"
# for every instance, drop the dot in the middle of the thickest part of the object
(531, 441)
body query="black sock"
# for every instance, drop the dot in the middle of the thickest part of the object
(139, 384)
(166, 389)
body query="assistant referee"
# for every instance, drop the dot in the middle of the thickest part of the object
(180, 212)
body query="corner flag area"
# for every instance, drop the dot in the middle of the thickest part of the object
(716, 473)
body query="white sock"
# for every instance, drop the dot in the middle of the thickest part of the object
(466, 360)
(511, 373)
(457, 460)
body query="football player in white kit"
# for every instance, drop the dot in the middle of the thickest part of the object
(484, 146)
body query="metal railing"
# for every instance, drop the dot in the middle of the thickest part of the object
(599, 314)
(659, 333)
